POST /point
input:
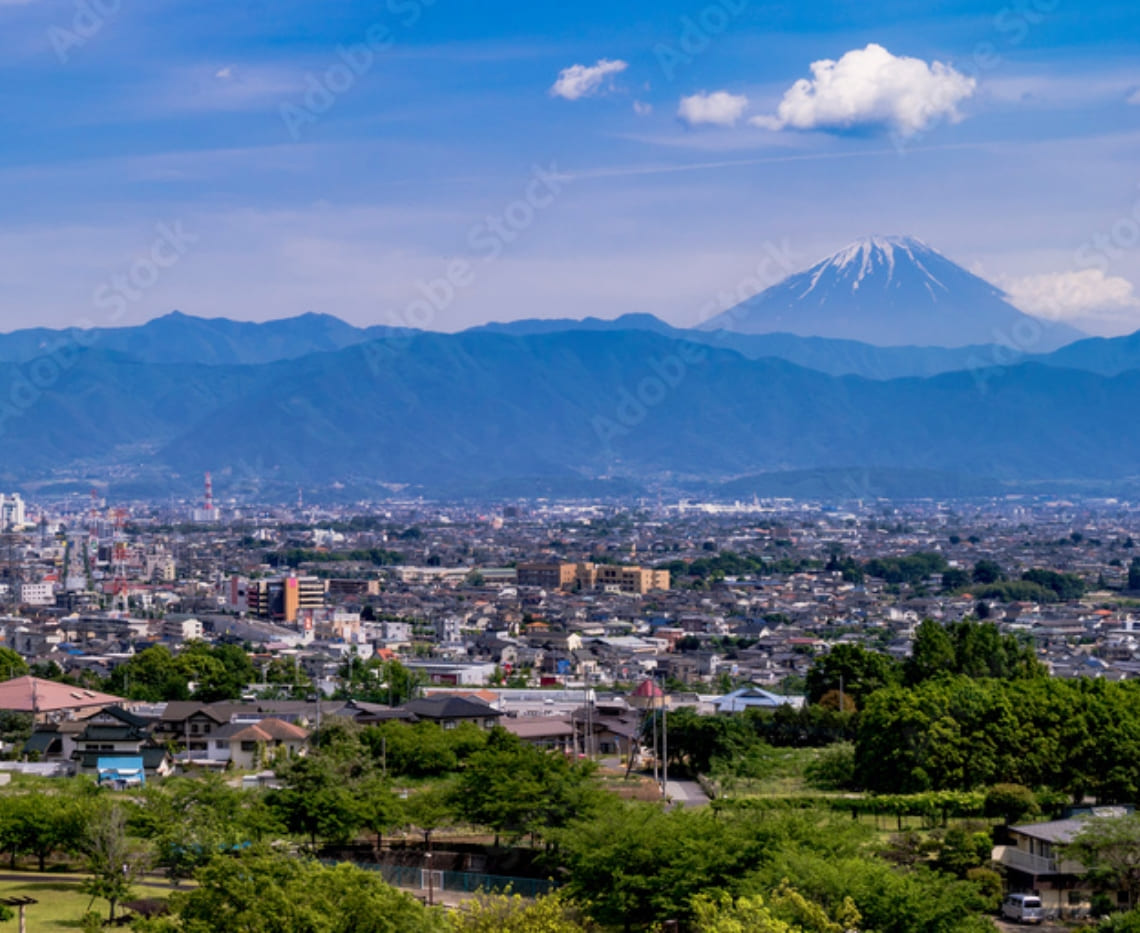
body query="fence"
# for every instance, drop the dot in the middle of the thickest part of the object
(467, 882)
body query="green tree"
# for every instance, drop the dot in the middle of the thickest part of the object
(502, 913)
(932, 653)
(113, 859)
(514, 788)
(1109, 849)
(1134, 573)
(258, 892)
(379, 808)
(721, 913)
(988, 571)
(190, 820)
(962, 850)
(955, 579)
(315, 801)
(11, 664)
(860, 673)
(45, 823)
(1013, 803)
(430, 809)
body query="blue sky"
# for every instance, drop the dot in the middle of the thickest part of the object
(675, 167)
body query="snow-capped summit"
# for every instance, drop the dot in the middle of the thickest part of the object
(892, 291)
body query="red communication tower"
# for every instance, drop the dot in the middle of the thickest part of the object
(209, 496)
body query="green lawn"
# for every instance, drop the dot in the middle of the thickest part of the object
(61, 903)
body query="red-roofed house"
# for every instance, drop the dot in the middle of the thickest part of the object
(647, 695)
(33, 695)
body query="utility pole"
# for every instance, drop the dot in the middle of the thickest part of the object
(664, 743)
(587, 739)
(656, 749)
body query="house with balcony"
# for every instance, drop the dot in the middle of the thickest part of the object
(1033, 859)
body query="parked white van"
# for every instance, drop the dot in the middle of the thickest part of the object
(1024, 908)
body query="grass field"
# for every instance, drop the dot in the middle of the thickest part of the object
(60, 902)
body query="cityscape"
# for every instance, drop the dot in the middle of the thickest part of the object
(658, 467)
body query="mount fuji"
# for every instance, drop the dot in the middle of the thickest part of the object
(892, 291)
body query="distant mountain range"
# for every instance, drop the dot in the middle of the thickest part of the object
(182, 338)
(891, 291)
(592, 406)
(566, 409)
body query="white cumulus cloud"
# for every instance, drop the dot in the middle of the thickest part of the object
(583, 80)
(1087, 298)
(719, 108)
(872, 88)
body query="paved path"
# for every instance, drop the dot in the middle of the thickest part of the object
(686, 793)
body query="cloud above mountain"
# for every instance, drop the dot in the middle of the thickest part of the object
(579, 81)
(720, 108)
(871, 88)
(1093, 301)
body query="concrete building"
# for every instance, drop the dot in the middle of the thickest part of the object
(181, 629)
(11, 511)
(282, 598)
(352, 589)
(36, 594)
(564, 575)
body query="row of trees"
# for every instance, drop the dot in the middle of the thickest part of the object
(1081, 737)
(968, 648)
(742, 744)
(224, 672)
(637, 864)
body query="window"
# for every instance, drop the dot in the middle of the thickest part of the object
(219, 744)
(249, 746)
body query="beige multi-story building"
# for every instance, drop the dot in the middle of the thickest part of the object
(348, 588)
(281, 598)
(558, 575)
(565, 575)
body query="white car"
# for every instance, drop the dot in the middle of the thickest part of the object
(1024, 908)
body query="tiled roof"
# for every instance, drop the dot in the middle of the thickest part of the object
(34, 695)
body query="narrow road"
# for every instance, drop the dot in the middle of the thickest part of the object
(686, 793)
